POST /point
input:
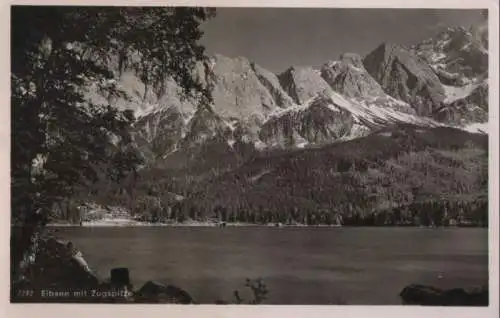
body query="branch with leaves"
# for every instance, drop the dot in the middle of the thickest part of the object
(60, 138)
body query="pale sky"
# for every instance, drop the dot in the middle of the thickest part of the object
(277, 38)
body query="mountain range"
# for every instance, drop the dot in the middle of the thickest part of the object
(274, 127)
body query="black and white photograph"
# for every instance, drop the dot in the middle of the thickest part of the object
(250, 156)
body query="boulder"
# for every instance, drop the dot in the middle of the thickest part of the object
(59, 263)
(58, 267)
(120, 277)
(153, 292)
(431, 296)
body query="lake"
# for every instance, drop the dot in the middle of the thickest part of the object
(299, 265)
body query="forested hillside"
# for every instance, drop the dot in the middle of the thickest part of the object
(400, 176)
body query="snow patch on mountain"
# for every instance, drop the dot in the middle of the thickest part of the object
(294, 125)
(259, 175)
(377, 112)
(317, 121)
(456, 54)
(148, 109)
(292, 109)
(481, 128)
(454, 93)
(305, 106)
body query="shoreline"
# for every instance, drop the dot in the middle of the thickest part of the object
(216, 225)
(185, 224)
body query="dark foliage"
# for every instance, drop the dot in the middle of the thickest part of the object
(412, 176)
(61, 141)
(406, 176)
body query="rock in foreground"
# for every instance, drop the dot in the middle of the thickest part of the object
(431, 296)
(153, 292)
(59, 273)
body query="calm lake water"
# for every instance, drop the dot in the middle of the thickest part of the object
(299, 265)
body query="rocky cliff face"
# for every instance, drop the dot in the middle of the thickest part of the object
(457, 55)
(243, 93)
(331, 117)
(441, 81)
(318, 121)
(303, 83)
(237, 90)
(405, 76)
(271, 82)
(350, 78)
(465, 105)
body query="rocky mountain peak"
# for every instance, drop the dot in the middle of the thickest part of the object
(302, 83)
(303, 106)
(353, 59)
(318, 121)
(272, 83)
(405, 76)
(457, 55)
(350, 78)
(237, 91)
